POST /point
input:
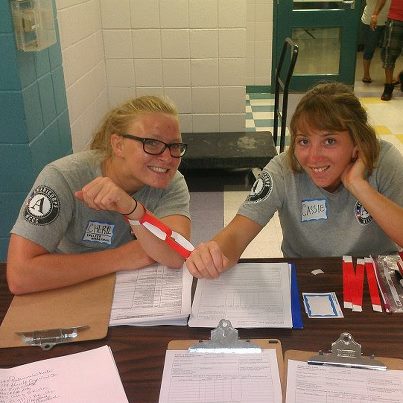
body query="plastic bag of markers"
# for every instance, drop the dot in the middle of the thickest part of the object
(388, 277)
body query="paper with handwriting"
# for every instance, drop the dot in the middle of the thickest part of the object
(90, 376)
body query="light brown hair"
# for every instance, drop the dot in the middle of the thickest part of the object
(334, 107)
(118, 119)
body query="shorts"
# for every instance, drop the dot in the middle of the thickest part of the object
(371, 40)
(392, 43)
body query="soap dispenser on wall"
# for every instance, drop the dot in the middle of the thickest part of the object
(34, 24)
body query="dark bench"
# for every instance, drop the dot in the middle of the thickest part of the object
(228, 150)
(216, 159)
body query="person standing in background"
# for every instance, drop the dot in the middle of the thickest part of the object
(393, 41)
(372, 35)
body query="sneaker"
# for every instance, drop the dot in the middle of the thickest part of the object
(387, 92)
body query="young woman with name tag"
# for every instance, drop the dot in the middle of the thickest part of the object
(74, 224)
(338, 189)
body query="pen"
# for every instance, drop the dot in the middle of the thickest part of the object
(399, 277)
(400, 265)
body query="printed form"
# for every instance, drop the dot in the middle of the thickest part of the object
(90, 376)
(317, 384)
(152, 296)
(215, 378)
(249, 295)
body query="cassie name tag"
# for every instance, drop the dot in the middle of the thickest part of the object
(315, 209)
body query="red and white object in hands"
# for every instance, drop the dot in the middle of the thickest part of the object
(176, 241)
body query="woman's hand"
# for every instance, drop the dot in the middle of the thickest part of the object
(207, 261)
(103, 194)
(353, 175)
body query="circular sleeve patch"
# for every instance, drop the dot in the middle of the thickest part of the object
(362, 215)
(43, 206)
(261, 189)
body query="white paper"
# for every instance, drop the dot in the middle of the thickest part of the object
(317, 384)
(216, 378)
(90, 377)
(322, 305)
(249, 295)
(152, 296)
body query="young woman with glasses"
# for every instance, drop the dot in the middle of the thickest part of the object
(73, 225)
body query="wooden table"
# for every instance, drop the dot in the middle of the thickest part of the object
(139, 352)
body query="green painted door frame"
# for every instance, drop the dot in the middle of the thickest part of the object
(341, 15)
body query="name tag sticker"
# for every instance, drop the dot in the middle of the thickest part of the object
(315, 209)
(99, 232)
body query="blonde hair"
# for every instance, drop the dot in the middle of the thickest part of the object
(334, 107)
(119, 118)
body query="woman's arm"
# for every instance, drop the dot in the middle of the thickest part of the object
(159, 250)
(387, 214)
(103, 194)
(31, 268)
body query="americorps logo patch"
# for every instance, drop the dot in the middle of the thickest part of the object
(261, 189)
(43, 206)
(361, 214)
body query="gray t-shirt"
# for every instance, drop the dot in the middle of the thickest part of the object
(318, 223)
(53, 218)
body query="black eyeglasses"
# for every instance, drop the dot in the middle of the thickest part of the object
(157, 147)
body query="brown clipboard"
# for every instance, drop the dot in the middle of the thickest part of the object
(262, 343)
(86, 304)
(298, 355)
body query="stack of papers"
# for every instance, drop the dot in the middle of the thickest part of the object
(155, 295)
(250, 295)
(91, 376)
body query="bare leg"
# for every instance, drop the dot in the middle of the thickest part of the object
(388, 88)
(389, 75)
(366, 63)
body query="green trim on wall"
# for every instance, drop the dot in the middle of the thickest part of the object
(250, 89)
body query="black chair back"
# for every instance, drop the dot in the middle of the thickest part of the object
(283, 74)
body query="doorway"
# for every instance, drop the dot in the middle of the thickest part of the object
(326, 33)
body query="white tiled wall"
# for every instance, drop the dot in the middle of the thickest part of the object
(200, 53)
(84, 66)
(259, 38)
(194, 51)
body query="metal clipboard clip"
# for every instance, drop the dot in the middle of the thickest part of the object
(346, 353)
(48, 338)
(224, 339)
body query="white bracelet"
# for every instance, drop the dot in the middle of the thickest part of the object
(134, 222)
